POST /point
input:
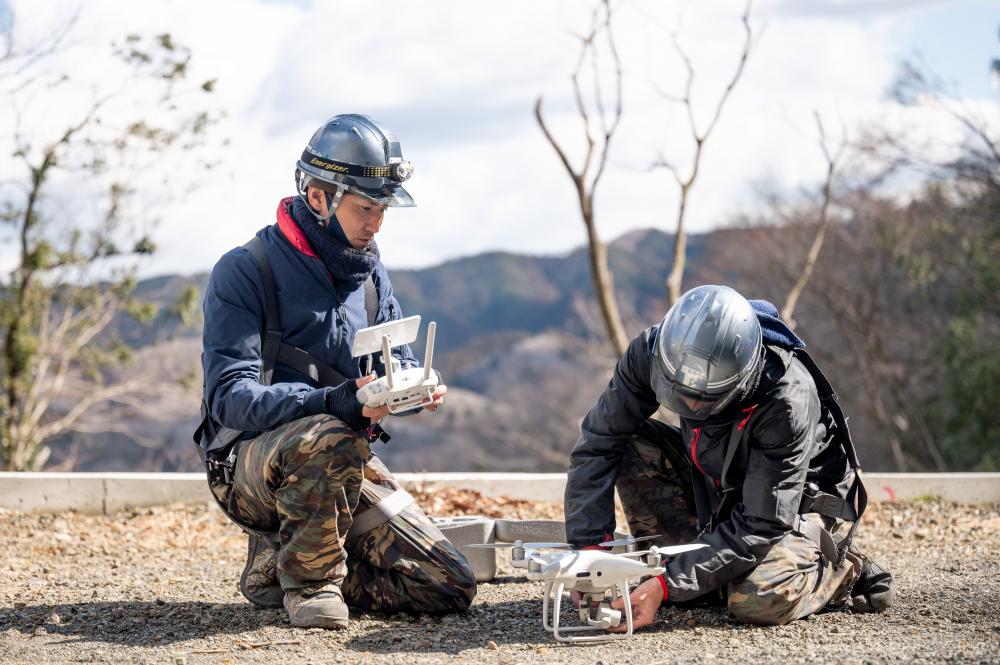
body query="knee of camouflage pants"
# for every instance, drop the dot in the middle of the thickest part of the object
(793, 581)
(303, 479)
(655, 493)
(404, 564)
(407, 565)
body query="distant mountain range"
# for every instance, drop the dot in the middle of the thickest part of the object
(520, 343)
(487, 294)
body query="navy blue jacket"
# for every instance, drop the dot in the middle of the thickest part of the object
(312, 318)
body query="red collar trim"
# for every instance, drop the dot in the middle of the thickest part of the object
(749, 411)
(291, 230)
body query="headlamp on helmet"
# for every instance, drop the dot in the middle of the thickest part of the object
(402, 171)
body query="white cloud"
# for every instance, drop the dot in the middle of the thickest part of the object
(847, 7)
(457, 81)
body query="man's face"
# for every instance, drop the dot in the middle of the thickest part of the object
(359, 217)
(696, 406)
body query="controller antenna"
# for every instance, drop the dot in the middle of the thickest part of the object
(429, 352)
(387, 361)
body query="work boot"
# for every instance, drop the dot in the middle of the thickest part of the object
(321, 606)
(874, 590)
(259, 581)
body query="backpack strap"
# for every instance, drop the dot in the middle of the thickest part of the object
(371, 300)
(856, 501)
(736, 437)
(832, 402)
(220, 439)
(271, 341)
(306, 363)
(730, 492)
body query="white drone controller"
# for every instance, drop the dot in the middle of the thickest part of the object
(400, 389)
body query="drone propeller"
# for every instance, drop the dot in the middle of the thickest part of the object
(628, 540)
(666, 551)
(527, 546)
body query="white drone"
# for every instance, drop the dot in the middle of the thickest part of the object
(594, 574)
(400, 389)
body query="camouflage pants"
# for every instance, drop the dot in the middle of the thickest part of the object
(307, 480)
(654, 484)
(794, 580)
(791, 582)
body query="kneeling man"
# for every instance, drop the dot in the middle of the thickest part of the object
(762, 470)
(286, 442)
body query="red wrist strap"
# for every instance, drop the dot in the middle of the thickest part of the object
(663, 584)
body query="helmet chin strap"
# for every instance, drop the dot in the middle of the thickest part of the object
(332, 203)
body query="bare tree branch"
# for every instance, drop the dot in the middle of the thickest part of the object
(93, 397)
(675, 278)
(33, 55)
(788, 312)
(94, 320)
(609, 129)
(662, 163)
(600, 272)
(117, 428)
(54, 354)
(580, 106)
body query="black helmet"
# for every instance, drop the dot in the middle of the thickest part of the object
(708, 351)
(355, 153)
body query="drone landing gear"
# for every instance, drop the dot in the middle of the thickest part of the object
(598, 618)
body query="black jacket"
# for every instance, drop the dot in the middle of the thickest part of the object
(787, 443)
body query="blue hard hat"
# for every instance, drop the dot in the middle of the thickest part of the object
(357, 154)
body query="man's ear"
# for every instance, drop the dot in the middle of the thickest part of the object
(314, 195)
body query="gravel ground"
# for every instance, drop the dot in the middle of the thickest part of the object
(160, 586)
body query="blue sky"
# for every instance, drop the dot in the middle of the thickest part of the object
(457, 81)
(959, 40)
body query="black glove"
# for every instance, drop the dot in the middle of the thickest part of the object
(341, 402)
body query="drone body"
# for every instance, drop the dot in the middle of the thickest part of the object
(587, 570)
(595, 574)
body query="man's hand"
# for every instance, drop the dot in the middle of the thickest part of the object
(645, 599)
(373, 412)
(437, 399)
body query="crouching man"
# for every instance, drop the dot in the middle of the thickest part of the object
(762, 470)
(286, 442)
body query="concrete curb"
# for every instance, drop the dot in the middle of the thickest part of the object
(107, 493)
